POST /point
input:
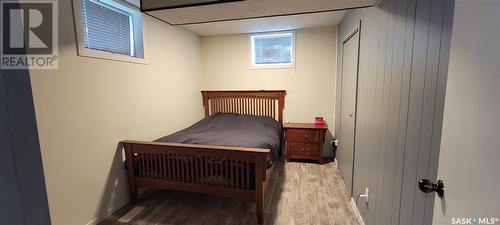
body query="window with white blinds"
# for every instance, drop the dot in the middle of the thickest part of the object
(109, 29)
(100, 22)
(272, 49)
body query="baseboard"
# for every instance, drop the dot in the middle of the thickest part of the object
(356, 212)
(96, 221)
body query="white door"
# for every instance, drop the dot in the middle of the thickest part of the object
(350, 50)
(469, 161)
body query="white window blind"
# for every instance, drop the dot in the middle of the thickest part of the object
(107, 28)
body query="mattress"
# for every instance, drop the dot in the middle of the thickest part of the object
(231, 129)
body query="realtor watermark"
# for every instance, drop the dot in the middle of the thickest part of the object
(29, 34)
(474, 220)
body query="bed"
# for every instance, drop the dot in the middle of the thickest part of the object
(229, 153)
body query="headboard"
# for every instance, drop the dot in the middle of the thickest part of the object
(261, 103)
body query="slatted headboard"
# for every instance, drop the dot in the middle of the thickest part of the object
(261, 103)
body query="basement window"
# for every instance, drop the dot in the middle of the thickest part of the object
(109, 29)
(272, 50)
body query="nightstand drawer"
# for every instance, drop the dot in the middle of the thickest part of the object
(296, 148)
(302, 135)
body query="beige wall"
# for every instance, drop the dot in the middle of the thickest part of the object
(310, 85)
(88, 105)
(469, 156)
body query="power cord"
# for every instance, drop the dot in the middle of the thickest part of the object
(360, 195)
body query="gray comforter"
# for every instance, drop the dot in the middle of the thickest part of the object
(230, 129)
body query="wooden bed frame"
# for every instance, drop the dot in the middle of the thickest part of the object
(234, 172)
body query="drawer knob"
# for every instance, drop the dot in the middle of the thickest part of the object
(305, 135)
(302, 149)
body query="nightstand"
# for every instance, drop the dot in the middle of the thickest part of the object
(304, 141)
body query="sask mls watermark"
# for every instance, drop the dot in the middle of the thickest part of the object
(474, 220)
(29, 34)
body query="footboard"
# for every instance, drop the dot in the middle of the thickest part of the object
(234, 172)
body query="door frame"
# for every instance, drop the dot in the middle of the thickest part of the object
(355, 30)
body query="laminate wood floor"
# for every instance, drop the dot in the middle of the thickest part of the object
(299, 193)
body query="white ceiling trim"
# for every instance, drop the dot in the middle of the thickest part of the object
(268, 24)
(250, 9)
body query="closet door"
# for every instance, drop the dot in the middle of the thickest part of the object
(349, 80)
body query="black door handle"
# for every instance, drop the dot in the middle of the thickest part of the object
(426, 186)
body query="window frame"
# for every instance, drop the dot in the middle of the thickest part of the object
(253, 65)
(137, 31)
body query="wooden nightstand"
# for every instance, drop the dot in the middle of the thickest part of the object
(304, 141)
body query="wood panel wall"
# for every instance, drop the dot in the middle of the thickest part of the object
(402, 77)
